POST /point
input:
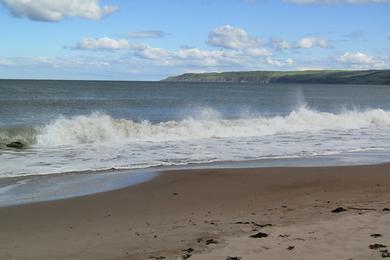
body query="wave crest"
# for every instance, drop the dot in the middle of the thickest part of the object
(102, 128)
(99, 127)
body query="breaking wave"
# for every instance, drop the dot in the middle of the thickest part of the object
(102, 128)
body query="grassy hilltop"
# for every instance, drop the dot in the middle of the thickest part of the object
(312, 76)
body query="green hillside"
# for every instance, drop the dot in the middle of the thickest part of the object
(314, 76)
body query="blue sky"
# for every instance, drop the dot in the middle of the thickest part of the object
(153, 39)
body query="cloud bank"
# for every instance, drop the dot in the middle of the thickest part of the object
(104, 43)
(57, 10)
(303, 43)
(229, 47)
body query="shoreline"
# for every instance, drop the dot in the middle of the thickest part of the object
(213, 212)
(21, 190)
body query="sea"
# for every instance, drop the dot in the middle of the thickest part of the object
(83, 126)
(73, 128)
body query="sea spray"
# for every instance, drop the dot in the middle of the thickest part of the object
(101, 128)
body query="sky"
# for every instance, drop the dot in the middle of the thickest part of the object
(153, 39)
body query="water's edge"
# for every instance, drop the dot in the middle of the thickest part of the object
(39, 188)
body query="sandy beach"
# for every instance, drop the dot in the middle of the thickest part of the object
(264, 213)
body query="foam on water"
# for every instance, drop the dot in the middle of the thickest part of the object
(102, 128)
(99, 141)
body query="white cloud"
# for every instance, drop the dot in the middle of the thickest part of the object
(304, 43)
(311, 42)
(159, 55)
(306, 2)
(231, 37)
(198, 58)
(56, 10)
(257, 52)
(359, 60)
(195, 53)
(249, 50)
(356, 58)
(185, 56)
(146, 52)
(146, 34)
(280, 44)
(103, 43)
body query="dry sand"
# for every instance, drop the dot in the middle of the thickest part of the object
(211, 214)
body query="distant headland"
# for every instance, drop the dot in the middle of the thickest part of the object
(307, 76)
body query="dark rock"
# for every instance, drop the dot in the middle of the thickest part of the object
(16, 145)
(376, 246)
(211, 241)
(261, 225)
(189, 250)
(259, 235)
(290, 248)
(338, 210)
(175, 193)
(386, 209)
(186, 256)
(233, 258)
(253, 223)
(361, 208)
(385, 253)
(376, 235)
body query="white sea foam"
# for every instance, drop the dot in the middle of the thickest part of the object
(98, 142)
(102, 128)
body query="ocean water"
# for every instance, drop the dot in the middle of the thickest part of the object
(70, 126)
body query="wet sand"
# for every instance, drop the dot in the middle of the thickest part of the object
(212, 214)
